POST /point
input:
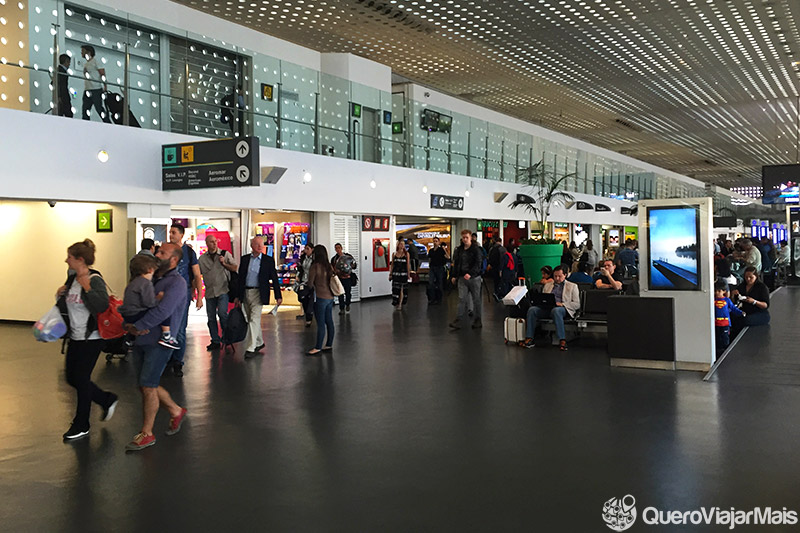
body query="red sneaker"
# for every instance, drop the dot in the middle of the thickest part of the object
(175, 422)
(140, 441)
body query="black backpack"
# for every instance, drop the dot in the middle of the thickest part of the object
(236, 328)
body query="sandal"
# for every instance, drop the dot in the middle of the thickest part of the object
(562, 345)
(327, 348)
(313, 351)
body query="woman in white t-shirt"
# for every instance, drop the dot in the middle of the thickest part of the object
(80, 300)
(94, 85)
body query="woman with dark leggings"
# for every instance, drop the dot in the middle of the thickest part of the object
(80, 300)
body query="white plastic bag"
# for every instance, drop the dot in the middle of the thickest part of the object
(50, 327)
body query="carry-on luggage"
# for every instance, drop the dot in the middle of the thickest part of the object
(115, 106)
(115, 349)
(236, 328)
(514, 330)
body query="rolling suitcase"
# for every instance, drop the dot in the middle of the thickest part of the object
(514, 330)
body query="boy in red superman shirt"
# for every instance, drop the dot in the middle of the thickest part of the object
(723, 308)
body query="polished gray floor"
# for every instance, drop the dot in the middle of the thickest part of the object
(407, 426)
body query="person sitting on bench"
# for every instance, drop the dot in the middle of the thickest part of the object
(567, 303)
(606, 278)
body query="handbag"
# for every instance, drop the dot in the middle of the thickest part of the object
(109, 322)
(336, 285)
(353, 279)
(50, 327)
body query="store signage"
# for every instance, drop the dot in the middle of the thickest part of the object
(374, 223)
(266, 92)
(633, 211)
(583, 206)
(439, 201)
(483, 224)
(367, 223)
(200, 165)
(601, 208)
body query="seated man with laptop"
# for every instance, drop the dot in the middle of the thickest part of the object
(557, 301)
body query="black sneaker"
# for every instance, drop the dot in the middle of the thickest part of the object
(341, 311)
(177, 369)
(477, 324)
(347, 308)
(213, 346)
(455, 324)
(74, 433)
(108, 412)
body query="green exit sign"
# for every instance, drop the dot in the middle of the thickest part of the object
(105, 221)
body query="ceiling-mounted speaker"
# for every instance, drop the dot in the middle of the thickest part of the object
(499, 197)
(272, 174)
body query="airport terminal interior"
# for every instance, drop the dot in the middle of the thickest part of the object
(399, 265)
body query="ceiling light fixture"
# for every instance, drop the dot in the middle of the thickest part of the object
(306, 176)
(102, 156)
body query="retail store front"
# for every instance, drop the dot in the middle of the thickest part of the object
(420, 232)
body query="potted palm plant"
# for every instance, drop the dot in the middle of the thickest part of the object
(545, 189)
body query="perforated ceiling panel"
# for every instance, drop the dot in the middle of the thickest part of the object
(707, 88)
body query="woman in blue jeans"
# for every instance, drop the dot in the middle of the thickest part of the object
(319, 277)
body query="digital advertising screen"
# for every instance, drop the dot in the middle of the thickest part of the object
(781, 184)
(673, 247)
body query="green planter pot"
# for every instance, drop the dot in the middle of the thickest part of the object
(535, 256)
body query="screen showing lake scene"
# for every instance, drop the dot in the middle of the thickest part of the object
(673, 235)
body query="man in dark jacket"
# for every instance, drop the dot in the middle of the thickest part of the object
(467, 263)
(64, 98)
(149, 357)
(256, 271)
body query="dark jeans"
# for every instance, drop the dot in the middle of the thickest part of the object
(180, 335)
(93, 98)
(723, 334)
(323, 310)
(436, 283)
(753, 319)
(217, 307)
(344, 299)
(80, 361)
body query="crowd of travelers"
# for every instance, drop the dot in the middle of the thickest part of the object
(166, 279)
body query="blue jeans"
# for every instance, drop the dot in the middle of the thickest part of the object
(180, 335)
(150, 362)
(217, 307)
(323, 311)
(556, 313)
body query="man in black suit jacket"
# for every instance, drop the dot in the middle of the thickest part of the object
(256, 271)
(64, 99)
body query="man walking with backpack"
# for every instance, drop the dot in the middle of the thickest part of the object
(216, 266)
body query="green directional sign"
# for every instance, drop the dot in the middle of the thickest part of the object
(105, 221)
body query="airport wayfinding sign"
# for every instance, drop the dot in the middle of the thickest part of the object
(204, 164)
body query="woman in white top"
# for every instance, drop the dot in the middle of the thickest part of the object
(80, 300)
(93, 92)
